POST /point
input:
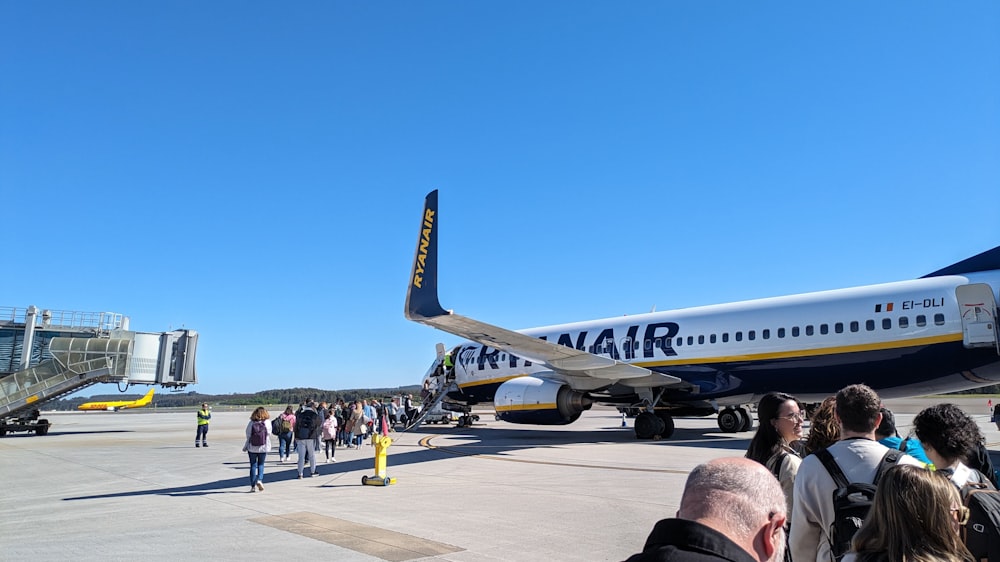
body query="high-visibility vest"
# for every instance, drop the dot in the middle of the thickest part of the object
(203, 417)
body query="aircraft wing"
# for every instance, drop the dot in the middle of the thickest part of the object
(422, 306)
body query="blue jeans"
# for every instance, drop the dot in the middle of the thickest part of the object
(284, 445)
(202, 433)
(257, 467)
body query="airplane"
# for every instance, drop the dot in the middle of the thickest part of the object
(923, 336)
(118, 404)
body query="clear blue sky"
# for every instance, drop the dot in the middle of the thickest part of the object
(256, 170)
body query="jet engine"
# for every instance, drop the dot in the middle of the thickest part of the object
(536, 401)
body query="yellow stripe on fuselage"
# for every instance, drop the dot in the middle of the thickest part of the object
(876, 346)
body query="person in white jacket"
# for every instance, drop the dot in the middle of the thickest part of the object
(330, 436)
(256, 450)
(857, 454)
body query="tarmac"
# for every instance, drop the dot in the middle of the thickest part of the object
(131, 486)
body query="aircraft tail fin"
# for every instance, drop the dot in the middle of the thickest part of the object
(986, 261)
(422, 295)
(146, 399)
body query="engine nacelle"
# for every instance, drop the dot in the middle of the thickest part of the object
(536, 401)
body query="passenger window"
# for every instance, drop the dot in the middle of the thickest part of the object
(838, 327)
(669, 342)
(809, 330)
(725, 337)
(824, 329)
(649, 345)
(690, 340)
(711, 338)
(939, 319)
(870, 325)
(751, 335)
(904, 322)
(921, 320)
(701, 340)
(887, 323)
(781, 332)
(795, 331)
(680, 342)
(739, 336)
(766, 334)
(855, 326)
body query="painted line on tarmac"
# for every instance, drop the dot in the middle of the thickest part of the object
(453, 450)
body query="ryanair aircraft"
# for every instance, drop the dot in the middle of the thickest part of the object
(910, 338)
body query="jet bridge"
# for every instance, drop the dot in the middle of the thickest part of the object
(45, 355)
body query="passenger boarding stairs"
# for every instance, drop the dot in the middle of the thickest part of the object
(49, 355)
(430, 403)
(75, 363)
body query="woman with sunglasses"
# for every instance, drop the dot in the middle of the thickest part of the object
(777, 442)
(916, 516)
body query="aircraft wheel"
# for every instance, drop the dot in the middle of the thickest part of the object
(668, 425)
(386, 481)
(42, 428)
(747, 424)
(648, 425)
(730, 421)
(364, 480)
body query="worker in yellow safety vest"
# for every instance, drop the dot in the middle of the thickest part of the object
(204, 414)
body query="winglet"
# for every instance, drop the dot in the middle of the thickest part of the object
(421, 295)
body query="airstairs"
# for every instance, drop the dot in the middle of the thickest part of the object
(49, 355)
(429, 404)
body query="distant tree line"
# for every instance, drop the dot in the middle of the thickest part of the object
(294, 396)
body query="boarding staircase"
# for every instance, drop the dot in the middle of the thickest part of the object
(45, 355)
(429, 404)
(76, 363)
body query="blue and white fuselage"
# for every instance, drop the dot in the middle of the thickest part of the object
(929, 335)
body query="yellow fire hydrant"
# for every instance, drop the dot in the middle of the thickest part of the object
(382, 443)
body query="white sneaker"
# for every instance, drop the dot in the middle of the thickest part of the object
(260, 486)
(333, 460)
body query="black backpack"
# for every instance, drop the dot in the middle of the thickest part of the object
(851, 500)
(258, 434)
(982, 532)
(276, 426)
(304, 424)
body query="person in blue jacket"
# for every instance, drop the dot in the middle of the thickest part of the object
(887, 435)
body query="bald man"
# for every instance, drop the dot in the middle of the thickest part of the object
(732, 509)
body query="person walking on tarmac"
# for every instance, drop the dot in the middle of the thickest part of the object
(204, 414)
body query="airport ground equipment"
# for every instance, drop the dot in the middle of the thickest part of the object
(47, 354)
(382, 443)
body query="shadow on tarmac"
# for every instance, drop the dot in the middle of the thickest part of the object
(487, 441)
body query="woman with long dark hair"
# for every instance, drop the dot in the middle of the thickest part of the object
(777, 442)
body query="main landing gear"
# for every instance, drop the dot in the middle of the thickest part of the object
(654, 426)
(733, 420)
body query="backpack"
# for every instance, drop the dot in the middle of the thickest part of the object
(851, 500)
(304, 424)
(276, 426)
(982, 532)
(258, 434)
(286, 424)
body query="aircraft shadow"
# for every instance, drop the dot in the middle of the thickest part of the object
(485, 441)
